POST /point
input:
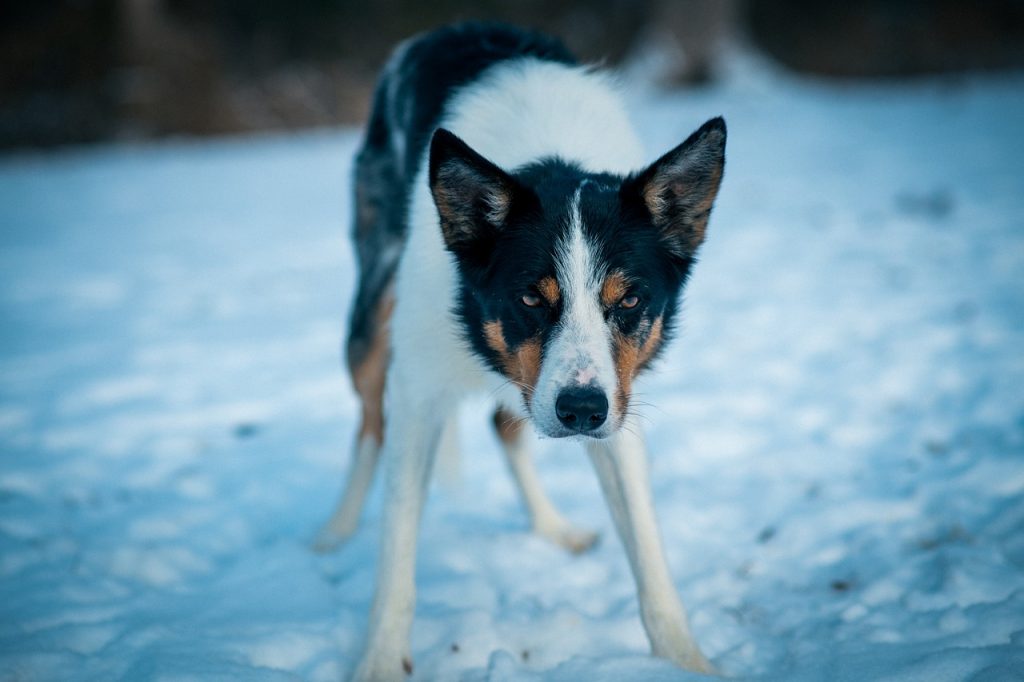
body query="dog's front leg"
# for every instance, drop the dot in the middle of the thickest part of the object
(621, 465)
(409, 450)
(515, 435)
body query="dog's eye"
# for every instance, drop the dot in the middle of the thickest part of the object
(531, 301)
(630, 301)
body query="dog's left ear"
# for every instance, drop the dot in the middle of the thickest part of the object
(679, 188)
(473, 196)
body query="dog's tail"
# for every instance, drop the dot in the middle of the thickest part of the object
(448, 466)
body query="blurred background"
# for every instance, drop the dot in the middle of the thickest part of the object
(78, 71)
(837, 438)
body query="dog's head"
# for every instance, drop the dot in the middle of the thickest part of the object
(569, 281)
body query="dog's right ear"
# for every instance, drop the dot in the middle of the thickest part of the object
(472, 195)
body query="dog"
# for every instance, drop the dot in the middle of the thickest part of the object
(512, 242)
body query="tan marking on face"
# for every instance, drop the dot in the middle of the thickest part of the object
(521, 364)
(528, 366)
(614, 288)
(631, 357)
(495, 337)
(368, 376)
(508, 426)
(548, 288)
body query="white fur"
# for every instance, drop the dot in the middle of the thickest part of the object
(519, 111)
(526, 109)
(580, 353)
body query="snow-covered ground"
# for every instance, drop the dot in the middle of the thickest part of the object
(837, 443)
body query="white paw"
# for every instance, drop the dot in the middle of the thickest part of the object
(575, 540)
(689, 657)
(392, 668)
(330, 538)
(699, 664)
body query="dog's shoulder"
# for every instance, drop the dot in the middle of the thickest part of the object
(427, 70)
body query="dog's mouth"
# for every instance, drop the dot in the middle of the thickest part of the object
(582, 437)
(568, 434)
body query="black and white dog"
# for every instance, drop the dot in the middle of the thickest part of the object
(511, 243)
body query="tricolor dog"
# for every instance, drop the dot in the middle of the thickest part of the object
(512, 243)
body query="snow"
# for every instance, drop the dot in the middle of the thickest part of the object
(837, 437)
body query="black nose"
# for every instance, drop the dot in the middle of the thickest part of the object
(582, 409)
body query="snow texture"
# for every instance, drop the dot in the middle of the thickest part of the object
(837, 438)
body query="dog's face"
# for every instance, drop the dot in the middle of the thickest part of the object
(569, 281)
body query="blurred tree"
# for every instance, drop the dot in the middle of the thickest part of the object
(889, 37)
(57, 71)
(84, 70)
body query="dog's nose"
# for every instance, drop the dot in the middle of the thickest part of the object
(582, 409)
